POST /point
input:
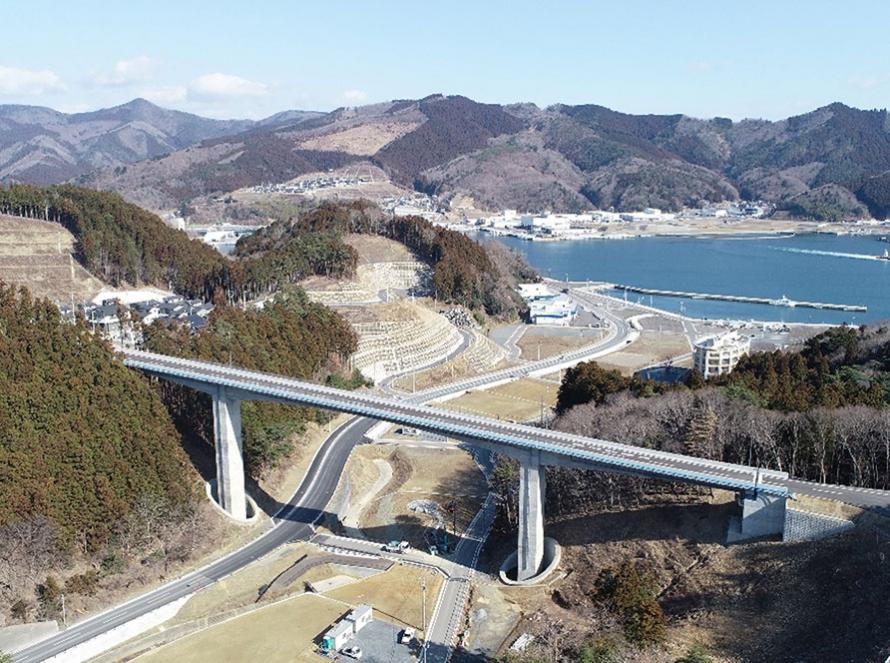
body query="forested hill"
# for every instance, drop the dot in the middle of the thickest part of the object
(83, 438)
(289, 336)
(464, 271)
(821, 414)
(122, 243)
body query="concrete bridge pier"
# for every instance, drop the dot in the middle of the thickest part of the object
(532, 487)
(229, 459)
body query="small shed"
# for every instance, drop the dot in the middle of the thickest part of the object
(338, 635)
(360, 617)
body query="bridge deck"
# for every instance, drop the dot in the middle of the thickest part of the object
(607, 455)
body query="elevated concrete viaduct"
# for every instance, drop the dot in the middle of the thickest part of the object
(762, 493)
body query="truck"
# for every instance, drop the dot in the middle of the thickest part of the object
(395, 546)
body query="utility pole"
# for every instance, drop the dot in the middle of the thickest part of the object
(423, 615)
(64, 614)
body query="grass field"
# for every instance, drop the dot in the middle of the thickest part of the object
(541, 346)
(280, 633)
(395, 594)
(517, 401)
(651, 347)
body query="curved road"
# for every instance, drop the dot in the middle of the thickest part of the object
(294, 521)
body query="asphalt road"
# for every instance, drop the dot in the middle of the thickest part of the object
(293, 522)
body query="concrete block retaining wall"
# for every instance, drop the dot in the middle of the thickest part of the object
(808, 526)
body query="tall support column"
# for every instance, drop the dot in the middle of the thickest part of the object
(229, 461)
(532, 486)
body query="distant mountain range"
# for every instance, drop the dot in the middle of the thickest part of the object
(833, 162)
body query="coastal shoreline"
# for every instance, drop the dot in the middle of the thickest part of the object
(787, 229)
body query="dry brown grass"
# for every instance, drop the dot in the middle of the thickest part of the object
(521, 400)
(279, 633)
(395, 594)
(651, 347)
(242, 588)
(363, 140)
(373, 249)
(537, 346)
(439, 474)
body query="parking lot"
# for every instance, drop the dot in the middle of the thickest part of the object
(379, 642)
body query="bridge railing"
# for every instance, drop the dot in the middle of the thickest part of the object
(647, 461)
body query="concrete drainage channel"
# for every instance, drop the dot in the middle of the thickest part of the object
(552, 557)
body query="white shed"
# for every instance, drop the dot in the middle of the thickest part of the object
(360, 617)
(338, 635)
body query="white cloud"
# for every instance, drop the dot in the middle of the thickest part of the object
(15, 81)
(165, 95)
(702, 66)
(225, 86)
(868, 82)
(128, 72)
(354, 96)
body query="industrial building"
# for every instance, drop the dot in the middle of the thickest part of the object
(717, 355)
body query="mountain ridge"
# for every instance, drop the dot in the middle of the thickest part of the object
(832, 162)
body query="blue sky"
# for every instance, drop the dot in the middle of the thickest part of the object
(250, 59)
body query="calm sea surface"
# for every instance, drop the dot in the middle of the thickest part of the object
(820, 268)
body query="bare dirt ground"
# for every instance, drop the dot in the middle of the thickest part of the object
(522, 400)
(649, 348)
(420, 474)
(38, 255)
(362, 140)
(714, 226)
(769, 601)
(373, 249)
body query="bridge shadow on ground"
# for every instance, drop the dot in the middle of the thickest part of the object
(697, 522)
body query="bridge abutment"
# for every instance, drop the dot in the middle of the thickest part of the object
(229, 458)
(762, 516)
(532, 487)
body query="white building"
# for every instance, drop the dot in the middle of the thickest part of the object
(717, 355)
(338, 635)
(360, 617)
(558, 310)
(534, 291)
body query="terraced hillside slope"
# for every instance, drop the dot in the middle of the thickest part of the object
(38, 255)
